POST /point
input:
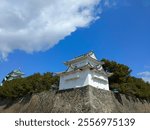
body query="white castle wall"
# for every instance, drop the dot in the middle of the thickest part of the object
(75, 80)
(83, 78)
(98, 80)
(84, 62)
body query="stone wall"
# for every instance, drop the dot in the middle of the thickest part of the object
(85, 99)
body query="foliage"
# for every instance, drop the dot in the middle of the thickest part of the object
(120, 72)
(120, 80)
(124, 82)
(32, 84)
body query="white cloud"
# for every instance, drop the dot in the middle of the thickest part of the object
(147, 66)
(146, 73)
(145, 76)
(110, 3)
(37, 25)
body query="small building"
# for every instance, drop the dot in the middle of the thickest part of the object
(15, 74)
(82, 71)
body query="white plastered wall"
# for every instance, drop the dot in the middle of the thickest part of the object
(83, 78)
(98, 80)
(74, 80)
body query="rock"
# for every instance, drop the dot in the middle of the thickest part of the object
(81, 100)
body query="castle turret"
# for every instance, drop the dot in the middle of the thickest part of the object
(15, 74)
(82, 71)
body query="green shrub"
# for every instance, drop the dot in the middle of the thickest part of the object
(32, 84)
(124, 82)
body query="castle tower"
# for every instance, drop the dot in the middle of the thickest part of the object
(15, 74)
(82, 71)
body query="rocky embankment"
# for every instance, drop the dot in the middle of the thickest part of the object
(86, 99)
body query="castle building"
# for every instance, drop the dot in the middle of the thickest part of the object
(82, 71)
(15, 74)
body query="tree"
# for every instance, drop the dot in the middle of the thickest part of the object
(33, 84)
(124, 82)
(121, 72)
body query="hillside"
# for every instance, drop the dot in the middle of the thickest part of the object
(121, 80)
(39, 93)
(86, 99)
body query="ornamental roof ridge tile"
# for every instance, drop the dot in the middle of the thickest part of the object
(86, 54)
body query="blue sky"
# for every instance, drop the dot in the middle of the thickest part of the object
(122, 33)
